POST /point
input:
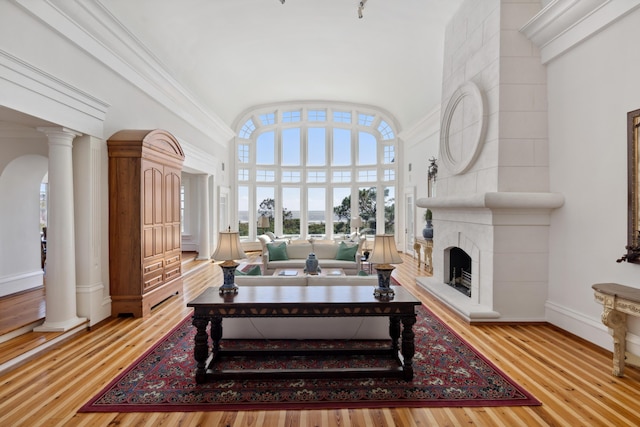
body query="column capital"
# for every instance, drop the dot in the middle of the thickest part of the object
(59, 135)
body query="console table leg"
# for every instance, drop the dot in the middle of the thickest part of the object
(201, 347)
(408, 346)
(617, 321)
(417, 248)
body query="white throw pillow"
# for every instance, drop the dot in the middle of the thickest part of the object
(325, 251)
(299, 251)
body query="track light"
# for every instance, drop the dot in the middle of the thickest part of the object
(361, 8)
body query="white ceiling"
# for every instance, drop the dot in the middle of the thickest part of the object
(236, 54)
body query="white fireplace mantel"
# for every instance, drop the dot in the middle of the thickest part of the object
(495, 200)
(509, 279)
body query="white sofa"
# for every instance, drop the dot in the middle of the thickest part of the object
(298, 251)
(374, 328)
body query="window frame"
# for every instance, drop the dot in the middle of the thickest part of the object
(349, 119)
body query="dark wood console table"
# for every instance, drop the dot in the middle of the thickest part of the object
(304, 301)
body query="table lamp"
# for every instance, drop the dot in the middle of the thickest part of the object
(263, 222)
(229, 250)
(356, 223)
(384, 254)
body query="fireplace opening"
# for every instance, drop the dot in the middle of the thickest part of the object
(460, 271)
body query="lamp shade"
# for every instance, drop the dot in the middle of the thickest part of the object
(263, 222)
(384, 250)
(356, 222)
(229, 246)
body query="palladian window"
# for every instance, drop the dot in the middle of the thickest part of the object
(310, 169)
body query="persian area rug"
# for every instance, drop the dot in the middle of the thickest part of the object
(448, 372)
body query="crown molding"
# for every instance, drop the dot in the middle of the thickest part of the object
(563, 24)
(32, 91)
(197, 160)
(423, 128)
(89, 25)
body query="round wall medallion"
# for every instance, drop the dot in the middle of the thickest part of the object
(463, 128)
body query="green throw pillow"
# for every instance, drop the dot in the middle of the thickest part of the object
(362, 273)
(346, 253)
(253, 271)
(277, 251)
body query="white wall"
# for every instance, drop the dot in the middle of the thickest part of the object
(419, 145)
(58, 76)
(23, 165)
(590, 90)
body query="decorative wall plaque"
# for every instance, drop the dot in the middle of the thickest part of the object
(463, 128)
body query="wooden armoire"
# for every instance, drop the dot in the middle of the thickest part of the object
(144, 220)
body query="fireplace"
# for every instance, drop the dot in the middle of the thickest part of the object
(500, 242)
(459, 275)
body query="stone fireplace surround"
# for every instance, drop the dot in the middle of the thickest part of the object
(506, 236)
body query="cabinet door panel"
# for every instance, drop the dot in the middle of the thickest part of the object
(147, 242)
(168, 238)
(177, 236)
(147, 197)
(157, 240)
(158, 217)
(151, 194)
(172, 195)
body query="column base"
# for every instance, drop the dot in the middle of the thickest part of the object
(65, 326)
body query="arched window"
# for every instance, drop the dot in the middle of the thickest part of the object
(309, 169)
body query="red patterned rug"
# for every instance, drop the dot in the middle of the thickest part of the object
(448, 373)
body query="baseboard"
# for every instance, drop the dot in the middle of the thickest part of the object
(590, 329)
(21, 282)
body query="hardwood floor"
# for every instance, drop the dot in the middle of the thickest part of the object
(570, 376)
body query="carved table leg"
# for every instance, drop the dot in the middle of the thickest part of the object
(201, 347)
(408, 346)
(416, 248)
(216, 334)
(394, 332)
(617, 321)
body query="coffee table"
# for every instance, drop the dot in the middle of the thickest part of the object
(329, 272)
(304, 301)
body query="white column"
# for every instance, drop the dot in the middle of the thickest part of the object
(60, 276)
(91, 203)
(204, 247)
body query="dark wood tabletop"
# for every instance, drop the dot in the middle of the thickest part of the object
(296, 295)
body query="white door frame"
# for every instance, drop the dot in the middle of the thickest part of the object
(409, 219)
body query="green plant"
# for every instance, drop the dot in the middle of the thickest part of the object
(428, 215)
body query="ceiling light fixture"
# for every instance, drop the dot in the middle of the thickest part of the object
(361, 8)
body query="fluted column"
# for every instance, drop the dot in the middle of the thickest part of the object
(60, 276)
(204, 249)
